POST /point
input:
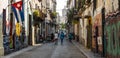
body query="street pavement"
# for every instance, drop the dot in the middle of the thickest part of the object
(50, 50)
(87, 52)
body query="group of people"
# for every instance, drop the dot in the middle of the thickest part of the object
(60, 36)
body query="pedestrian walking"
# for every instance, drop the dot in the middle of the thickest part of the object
(62, 37)
(70, 37)
(56, 38)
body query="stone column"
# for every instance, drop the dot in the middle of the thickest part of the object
(33, 35)
(1, 39)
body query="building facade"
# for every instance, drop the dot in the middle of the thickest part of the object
(3, 5)
(99, 25)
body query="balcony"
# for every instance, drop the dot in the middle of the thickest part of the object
(38, 16)
(53, 15)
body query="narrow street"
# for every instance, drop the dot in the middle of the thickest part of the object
(49, 50)
(30, 28)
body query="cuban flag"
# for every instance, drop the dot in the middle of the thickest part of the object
(18, 11)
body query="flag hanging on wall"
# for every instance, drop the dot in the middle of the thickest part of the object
(18, 11)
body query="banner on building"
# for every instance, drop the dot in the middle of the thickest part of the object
(18, 11)
(18, 29)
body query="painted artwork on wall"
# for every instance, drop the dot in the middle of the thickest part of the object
(112, 34)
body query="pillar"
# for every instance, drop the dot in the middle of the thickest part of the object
(33, 35)
(1, 39)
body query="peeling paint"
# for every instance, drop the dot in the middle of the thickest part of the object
(112, 30)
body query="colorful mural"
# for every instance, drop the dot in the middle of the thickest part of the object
(112, 33)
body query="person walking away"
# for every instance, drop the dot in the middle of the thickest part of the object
(70, 37)
(62, 37)
(56, 38)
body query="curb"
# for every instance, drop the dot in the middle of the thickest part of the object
(82, 50)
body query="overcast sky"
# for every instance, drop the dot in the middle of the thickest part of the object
(60, 6)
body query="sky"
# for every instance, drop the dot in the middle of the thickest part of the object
(60, 5)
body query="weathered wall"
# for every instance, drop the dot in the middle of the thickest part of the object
(3, 5)
(112, 30)
(97, 23)
(1, 39)
(112, 33)
(110, 6)
(111, 27)
(81, 33)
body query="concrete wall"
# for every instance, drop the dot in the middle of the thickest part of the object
(83, 31)
(111, 26)
(1, 39)
(36, 4)
(97, 22)
(80, 30)
(111, 6)
(112, 23)
(3, 5)
(71, 5)
(53, 5)
(83, 25)
(44, 6)
(112, 33)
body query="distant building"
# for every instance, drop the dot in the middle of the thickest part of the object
(64, 15)
(58, 19)
(64, 11)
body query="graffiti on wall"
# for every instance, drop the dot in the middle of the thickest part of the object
(112, 32)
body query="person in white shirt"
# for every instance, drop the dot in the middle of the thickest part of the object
(56, 38)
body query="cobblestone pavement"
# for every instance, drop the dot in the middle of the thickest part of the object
(49, 50)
